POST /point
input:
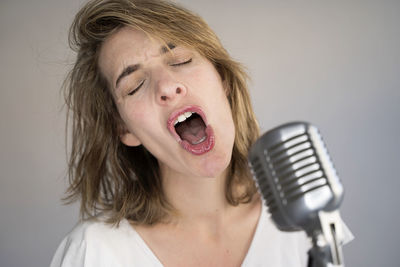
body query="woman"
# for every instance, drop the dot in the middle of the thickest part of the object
(161, 126)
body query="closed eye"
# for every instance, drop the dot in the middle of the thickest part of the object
(137, 88)
(181, 63)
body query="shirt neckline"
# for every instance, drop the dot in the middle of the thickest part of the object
(147, 250)
(143, 245)
(256, 235)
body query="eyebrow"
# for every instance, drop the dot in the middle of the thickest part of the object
(132, 68)
(165, 49)
(128, 70)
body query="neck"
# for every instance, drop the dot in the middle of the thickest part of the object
(196, 199)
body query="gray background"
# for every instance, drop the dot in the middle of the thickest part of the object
(333, 63)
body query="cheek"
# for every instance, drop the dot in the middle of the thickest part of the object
(134, 118)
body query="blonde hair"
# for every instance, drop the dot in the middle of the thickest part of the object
(125, 181)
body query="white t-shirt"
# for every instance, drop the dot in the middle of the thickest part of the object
(97, 244)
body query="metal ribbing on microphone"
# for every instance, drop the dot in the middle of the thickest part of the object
(295, 176)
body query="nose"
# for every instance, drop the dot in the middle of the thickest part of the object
(169, 89)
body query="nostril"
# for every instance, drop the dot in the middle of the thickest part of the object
(168, 95)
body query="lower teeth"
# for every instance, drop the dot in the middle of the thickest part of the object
(199, 141)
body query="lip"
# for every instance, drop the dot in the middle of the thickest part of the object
(197, 149)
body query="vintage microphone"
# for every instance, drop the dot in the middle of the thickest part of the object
(301, 189)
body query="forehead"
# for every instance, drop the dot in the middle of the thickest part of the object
(126, 42)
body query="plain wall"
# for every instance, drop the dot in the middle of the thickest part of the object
(333, 63)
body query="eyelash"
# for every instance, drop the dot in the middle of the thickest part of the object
(173, 65)
(137, 88)
(181, 63)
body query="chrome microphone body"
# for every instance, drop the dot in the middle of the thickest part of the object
(301, 188)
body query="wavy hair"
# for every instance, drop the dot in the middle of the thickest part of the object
(106, 175)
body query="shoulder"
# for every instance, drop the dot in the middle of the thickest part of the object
(272, 247)
(96, 243)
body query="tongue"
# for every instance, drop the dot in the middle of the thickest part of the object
(192, 130)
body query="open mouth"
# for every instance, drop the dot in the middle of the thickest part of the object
(191, 127)
(191, 130)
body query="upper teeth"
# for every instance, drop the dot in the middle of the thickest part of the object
(183, 117)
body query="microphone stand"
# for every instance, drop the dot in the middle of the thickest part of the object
(327, 241)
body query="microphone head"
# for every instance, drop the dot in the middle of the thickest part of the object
(295, 175)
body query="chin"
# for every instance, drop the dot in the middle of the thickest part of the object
(214, 167)
(217, 161)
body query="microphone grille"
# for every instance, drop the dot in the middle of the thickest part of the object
(256, 167)
(294, 173)
(295, 167)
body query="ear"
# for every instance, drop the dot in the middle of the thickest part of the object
(128, 138)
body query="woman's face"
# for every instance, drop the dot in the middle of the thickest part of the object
(172, 101)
